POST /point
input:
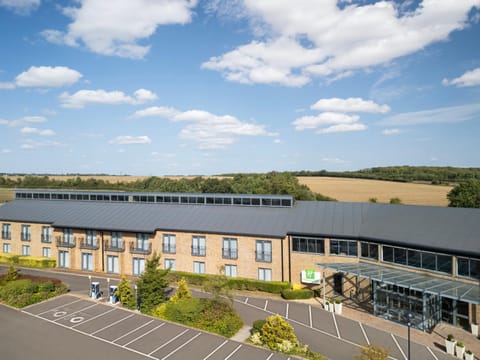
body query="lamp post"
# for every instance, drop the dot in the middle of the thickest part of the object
(409, 317)
(136, 297)
(108, 288)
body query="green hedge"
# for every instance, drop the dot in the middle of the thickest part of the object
(275, 287)
(28, 261)
(297, 294)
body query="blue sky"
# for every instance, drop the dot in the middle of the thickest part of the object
(169, 87)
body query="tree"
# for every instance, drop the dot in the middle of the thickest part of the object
(466, 194)
(183, 292)
(395, 200)
(373, 352)
(218, 287)
(125, 293)
(152, 285)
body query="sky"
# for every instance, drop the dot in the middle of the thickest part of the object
(204, 87)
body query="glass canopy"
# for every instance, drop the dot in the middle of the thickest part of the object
(431, 284)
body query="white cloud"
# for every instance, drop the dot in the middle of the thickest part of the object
(452, 114)
(323, 119)
(23, 121)
(6, 151)
(117, 28)
(32, 144)
(20, 7)
(470, 78)
(31, 130)
(342, 128)
(208, 130)
(44, 77)
(319, 39)
(82, 98)
(129, 140)
(350, 105)
(391, 131)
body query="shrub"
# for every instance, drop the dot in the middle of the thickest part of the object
(450, 337)
(372, 352)
(183, 292)
(257, 326)
(28, 261)
(297, 294)
(125, 293)
(275, 330)
(12, 273)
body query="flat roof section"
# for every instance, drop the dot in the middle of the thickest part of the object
(431, 284)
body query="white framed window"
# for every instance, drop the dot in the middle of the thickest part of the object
(264, 274)
(231, 270)
(263, 251)
(25, 250)
(46, 234)
(46, 252)
(230, 248)
(6, 232)
(68, 236)
(7, 248)
(170, 264)
(142, 242)
(87, 262)
(25, 235)
(116, 240)
(199, 267)
(112, 264)
(63, 259)
(169, 244)
(198, 246)
(91, 238)
(138, 266)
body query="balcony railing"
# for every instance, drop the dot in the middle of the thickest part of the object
(6, 235)
(117, 246)
(169, 249)
(66, 242)
(89, 244)
(145, 250)
(46, 238)
(229, 253)
(25, 237)
(199, 250)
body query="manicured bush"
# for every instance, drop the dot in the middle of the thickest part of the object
(297, 294)
(276, 330)
(125, 293)
(28, 261)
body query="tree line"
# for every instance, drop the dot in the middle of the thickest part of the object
(277, 183)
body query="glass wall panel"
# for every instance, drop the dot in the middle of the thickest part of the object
(414, 258)
(444, 263)
(429, 261)
(388, 254)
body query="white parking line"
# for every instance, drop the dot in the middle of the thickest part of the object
(310, 314)
(130, 332)
(169, 341)
(286, 312)
(233, 352)
(266, 304)
(336, 326)
(92, 318)
(431, 352)
(364, 333)
(148, 332)
(215, 350)
(75, 312)
(57, 307)
(181, 346)
(399, 348)
(115, 323)
(270, 356)
(246, 300)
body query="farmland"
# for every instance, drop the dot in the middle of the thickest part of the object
(360, 190)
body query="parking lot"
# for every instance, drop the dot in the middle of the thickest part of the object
(143, 335)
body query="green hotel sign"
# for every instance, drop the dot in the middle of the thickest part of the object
(310, 276)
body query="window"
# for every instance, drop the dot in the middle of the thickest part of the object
(7, 248)
(63, 259)
(468, 268)
(87, 261)
(6, 232)
(230, 249)
(46, 234)
(263, 251)
(417, 259)
(138, 266)
(308, 245)
(264, 274)
(169, 244)
(142, 242)
(369, 251)
(25, 235)
(112, 264)
(343, 247)
(198, 246)
(46, 252)
(170, 264)
(25, 250)
(91, 238)
(116, 240)
(199, 267)
(68, 236)
(231, 270)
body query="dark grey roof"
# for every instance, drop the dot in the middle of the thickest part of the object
(440, 229)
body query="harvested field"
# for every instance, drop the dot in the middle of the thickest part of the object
(360, 190)
(6, 194)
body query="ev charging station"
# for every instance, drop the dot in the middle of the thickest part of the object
(111, 291)
(95, 290)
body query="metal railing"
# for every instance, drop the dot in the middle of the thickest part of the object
(117, 246)
(140, 250)
(66, 242)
